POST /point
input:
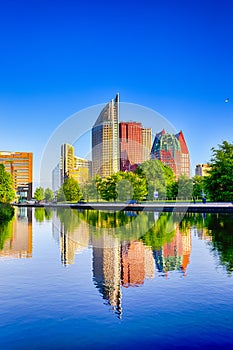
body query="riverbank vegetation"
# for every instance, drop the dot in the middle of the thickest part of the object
(7, 194)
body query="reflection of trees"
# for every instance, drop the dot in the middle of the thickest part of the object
(43, 213)
(161, 232)
(189, 220)
(69, 218)
(122, 225)
(153, 230)
(220, 228)
(131, 226)
(6, 215)
(39, 214)
(6, 229)
(48, 213)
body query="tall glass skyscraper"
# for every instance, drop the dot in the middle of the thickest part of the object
(105, 140)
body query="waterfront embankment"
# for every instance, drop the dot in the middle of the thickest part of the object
(160, 207)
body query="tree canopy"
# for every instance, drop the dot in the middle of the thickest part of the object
(159, 177)
(7, 193)
(71, 190)
(185, 187)
(122, 186)
(48, 195)
(39, 194)
(219, 183)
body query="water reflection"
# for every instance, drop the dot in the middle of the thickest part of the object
(127, 247)
(16, 235)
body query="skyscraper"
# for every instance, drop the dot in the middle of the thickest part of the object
(184, 156)
(56, 178)
(19, 165)
(130, 144)
(146, 143)
(72, 166)
(172, 151)
(67, 161)
(105, 140)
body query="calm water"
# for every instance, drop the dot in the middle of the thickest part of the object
(75, 280)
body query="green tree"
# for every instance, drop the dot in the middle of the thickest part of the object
(90, 190)
(159, 177)
(6, 212)
(139, 186)
(198, 186)
(107, 187)
(60, 195)
(219, 182)
(7, 193)
(185, 187)
(71, 190)
(124, 190)
(48, 195)
(122, 186)
(39, 194)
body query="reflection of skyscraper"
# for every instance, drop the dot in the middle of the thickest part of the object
(19, 244)
(202, 233)
(133, 263)
(73, 242)
(174, 255)
(105, 140)
(137, 263)
(187, 244)
(106, 269)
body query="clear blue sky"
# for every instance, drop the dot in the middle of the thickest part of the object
(173, 56)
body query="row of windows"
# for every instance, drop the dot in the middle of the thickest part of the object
(13, 159)
(17, 165)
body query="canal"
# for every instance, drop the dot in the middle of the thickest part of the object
(83, 279)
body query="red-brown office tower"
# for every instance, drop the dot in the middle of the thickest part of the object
(130, 145)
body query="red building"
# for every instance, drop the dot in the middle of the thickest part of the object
(130, 145)
(172, 151)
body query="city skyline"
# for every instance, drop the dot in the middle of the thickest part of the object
(121, 146)
(174, 58)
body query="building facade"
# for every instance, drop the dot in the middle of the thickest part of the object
(105, 140)
(67, 161)
(146, 143)
(56, 178)
(82, 170)
(202, 169)
(72, 166)
(172, 151)
(130, 134)
(19, 165)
